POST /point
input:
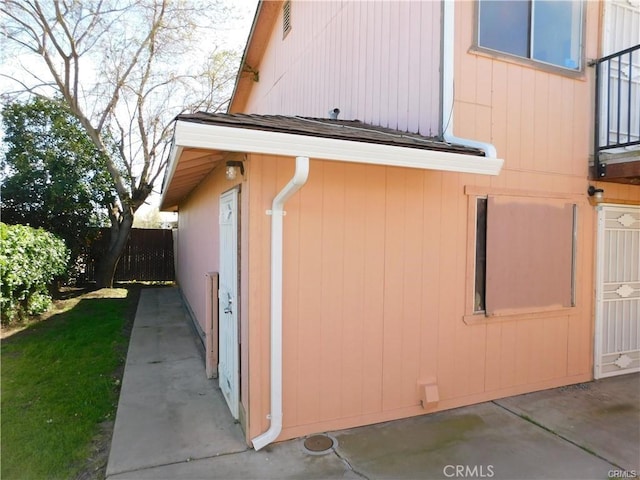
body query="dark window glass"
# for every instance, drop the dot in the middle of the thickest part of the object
(556, 32)
(546, 30)
(481, 254)
(504, 26)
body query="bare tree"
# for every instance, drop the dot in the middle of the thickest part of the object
(125, 68)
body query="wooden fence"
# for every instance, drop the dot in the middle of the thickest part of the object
(148, 256)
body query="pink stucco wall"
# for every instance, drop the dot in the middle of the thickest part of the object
(376, 61)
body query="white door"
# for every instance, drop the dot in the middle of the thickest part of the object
(228, 366)
(617, 348)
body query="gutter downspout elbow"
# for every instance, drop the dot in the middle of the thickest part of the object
(448, 40)
(488, 148)
(277, 212)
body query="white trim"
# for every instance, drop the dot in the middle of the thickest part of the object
(234, 139)
(599, 264)
(172, 163)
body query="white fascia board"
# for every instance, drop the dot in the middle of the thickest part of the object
(235, 139)
(172, 163)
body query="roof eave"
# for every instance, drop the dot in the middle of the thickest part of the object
(172, 163)
(236, 139)
(263, 23)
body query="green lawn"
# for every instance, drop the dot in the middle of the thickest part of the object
(59, 381)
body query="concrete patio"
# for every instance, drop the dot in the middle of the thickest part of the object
(173, 423)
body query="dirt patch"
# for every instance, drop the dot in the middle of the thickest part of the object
(57, 307)
(66, 299)
(95, 467)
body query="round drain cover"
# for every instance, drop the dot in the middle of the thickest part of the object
(318, 443)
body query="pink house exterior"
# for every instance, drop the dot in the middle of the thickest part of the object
(411, 273)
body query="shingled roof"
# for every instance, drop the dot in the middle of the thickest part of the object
(202, 141)
(351, 130)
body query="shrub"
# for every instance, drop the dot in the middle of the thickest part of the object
(29, 261)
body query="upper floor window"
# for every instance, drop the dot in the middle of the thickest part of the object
(548, 31)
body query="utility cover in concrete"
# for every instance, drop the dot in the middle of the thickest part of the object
(318, 443)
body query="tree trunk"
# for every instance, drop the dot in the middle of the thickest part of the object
(120, 229)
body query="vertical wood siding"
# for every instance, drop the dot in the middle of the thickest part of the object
(198, 254)
(540, 121)
(374, 274)
(376, 258)
(376, 61)
(198, 244)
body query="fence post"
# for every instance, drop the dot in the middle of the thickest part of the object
(211, 325)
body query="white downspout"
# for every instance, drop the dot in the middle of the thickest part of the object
(277, 212)
(448, 40)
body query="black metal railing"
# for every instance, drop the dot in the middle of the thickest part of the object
(617, 103)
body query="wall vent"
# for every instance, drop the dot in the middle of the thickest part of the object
(286, 18)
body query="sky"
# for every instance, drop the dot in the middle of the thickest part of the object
(239, 31)
(235, 35)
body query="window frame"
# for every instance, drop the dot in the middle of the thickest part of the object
(528, 61)
(472, 316)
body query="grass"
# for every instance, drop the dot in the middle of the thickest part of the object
(60, 382)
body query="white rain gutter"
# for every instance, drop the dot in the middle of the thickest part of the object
(448, 41)
(277, 213)
(234, 139)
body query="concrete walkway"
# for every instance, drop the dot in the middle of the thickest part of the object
(173, 423)
(168, 411)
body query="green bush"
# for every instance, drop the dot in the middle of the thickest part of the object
(29, 261)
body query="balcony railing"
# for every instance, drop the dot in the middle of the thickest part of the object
(617, 104)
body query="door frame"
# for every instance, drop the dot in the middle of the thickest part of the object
(234, 400)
